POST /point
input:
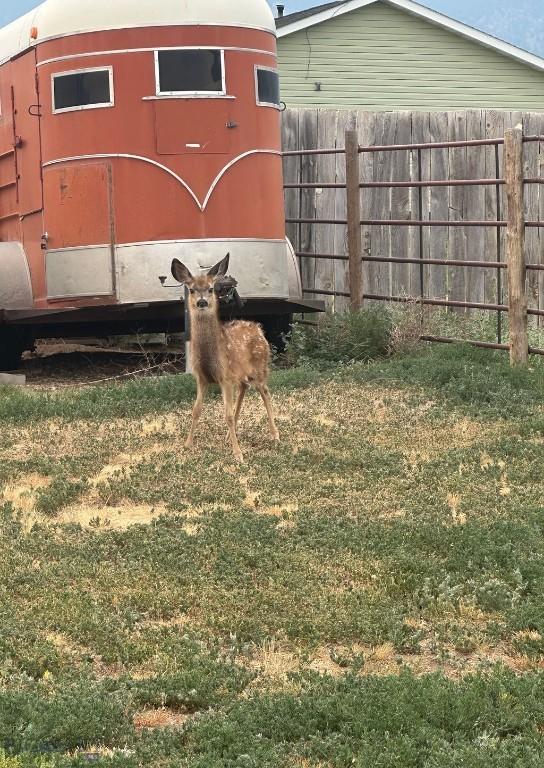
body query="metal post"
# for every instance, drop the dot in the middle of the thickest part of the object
(353, 199)
(515, 251)
(420, 203)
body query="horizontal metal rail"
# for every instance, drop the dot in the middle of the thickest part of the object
(450, 340)
(426, 302)
(8, 185)
(410, 184)
(9, 153)
(436, 262)
(323, 292)
(431, 223)
(327, 256)
(414, 223)
(482, 344)
(396, 147)
(431, 262)
(7, 216)
(399, 147)
(313, 185)
(433, 145)
(410, 222)
(304, 152)
(407, 260)
(438, 183)
(438, 302)
(415, 300)
(316, 221)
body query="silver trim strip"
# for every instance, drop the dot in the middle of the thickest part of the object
(162, 97)
(203, 240)
(202, 206)
(169, 242)
(79, 247)
(150, 50)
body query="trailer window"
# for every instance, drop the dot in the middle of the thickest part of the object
(84, 89)
(268, 87)
(190, 71)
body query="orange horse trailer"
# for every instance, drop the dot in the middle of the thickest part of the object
(132, 132)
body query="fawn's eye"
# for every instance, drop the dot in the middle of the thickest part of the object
(210, 290)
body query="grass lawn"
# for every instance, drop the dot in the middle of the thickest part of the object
(370, 593)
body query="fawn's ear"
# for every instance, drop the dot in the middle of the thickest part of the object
(180, 272)
(220, 269)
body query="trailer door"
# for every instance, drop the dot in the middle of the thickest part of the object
(26, 129)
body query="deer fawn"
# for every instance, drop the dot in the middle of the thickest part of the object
(231, 354)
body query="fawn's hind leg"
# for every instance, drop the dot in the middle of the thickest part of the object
(267, 400)
(242, 389)
(197, 411)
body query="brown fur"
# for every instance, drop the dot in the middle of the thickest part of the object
(234, 354)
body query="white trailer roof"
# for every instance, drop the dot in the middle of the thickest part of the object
(57, 18)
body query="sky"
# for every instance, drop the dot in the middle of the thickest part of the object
(520, 22)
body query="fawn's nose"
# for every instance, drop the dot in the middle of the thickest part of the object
(202, 303)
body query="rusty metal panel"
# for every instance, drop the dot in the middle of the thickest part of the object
(26, 128)
(192, 126)
(78, 205)
(80, 230)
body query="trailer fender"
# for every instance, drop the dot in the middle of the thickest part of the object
(15, 285)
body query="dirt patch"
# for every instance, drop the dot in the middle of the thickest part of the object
(159, 718)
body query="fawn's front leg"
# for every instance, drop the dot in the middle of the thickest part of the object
(197, 410)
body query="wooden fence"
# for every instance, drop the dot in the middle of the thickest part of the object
(418, 219)
(306, 129)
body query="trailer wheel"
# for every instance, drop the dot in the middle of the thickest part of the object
(12, 346)
(277, 329)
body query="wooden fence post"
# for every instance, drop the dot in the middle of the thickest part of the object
(353, 199)
(515, 247)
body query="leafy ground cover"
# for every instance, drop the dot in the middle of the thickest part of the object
(369, 593)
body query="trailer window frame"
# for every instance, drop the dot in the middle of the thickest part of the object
(273, 105)
(81, 107)
(194, 93)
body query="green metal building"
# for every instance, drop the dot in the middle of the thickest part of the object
(399, 55)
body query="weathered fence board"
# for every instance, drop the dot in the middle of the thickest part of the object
(420, 205)
(325, 203)
(346, 120)
(401, 204)
(309, 138)
(457, 236)
(439, 204)
(314, 129)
